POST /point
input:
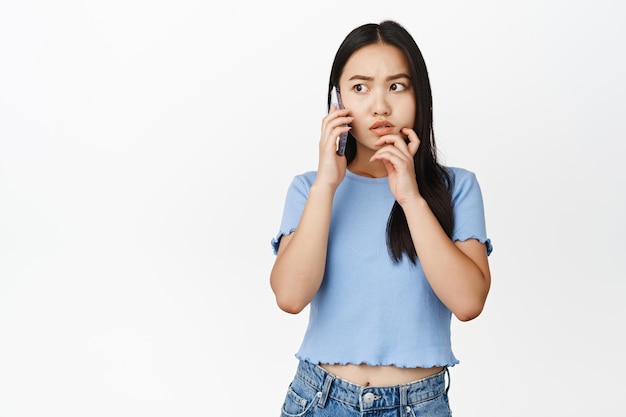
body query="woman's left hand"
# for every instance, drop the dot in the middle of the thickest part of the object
(397, 156)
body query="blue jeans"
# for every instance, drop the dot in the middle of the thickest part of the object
(315, 392)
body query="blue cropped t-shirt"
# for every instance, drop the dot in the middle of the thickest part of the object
(369, 309)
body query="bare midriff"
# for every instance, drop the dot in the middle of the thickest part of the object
(380, 376)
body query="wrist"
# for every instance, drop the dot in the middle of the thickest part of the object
(323, 187)
(413, 203)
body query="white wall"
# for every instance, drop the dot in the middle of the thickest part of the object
(145, 151)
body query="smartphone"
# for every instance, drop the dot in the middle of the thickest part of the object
(335, 98)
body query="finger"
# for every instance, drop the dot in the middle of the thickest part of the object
(396, 141)
(390, 167)
(331, 121)
(339, 130)
(329, 141)
(389, 149)
(335, 112)
(414, 141)
(342, 120)
(391, 154)
(387, 140)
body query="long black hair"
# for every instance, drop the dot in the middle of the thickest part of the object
(433, 179)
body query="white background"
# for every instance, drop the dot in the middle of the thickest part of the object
(146, 148)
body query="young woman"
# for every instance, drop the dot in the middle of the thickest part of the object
(384, 243)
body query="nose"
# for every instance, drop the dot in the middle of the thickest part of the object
(381, 106)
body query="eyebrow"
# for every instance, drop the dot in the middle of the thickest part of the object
(390, 78)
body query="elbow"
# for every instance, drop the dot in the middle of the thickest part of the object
(472, 305)
(290, 305)
(469, 311)
(467, 314)
(288, 300)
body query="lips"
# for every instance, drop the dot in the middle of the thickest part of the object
(382, 127)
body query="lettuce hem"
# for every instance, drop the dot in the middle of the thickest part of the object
(275, 242)
(419, 364)
(485, 241)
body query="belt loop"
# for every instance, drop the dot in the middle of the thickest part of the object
(449, 380)
(404, 399)
(326, 389)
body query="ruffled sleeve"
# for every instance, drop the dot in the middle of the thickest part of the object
(297, 194)
(469, 212)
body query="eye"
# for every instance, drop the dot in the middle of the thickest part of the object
(360, 88)
(398, 87)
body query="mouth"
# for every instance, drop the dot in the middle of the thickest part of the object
(382, 127)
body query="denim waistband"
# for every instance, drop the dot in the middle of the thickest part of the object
(369, 398)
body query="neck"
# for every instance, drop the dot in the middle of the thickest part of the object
(362, 166)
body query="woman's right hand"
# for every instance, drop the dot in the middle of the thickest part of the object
(332, 167)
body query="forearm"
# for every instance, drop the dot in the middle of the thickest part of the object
(457, 279)
(299, 268)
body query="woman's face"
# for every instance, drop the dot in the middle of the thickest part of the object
(376, 88)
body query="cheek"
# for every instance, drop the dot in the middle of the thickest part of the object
(355, 106)
(357, 112)
(408, 114)
(359, 124)
(359, 129)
